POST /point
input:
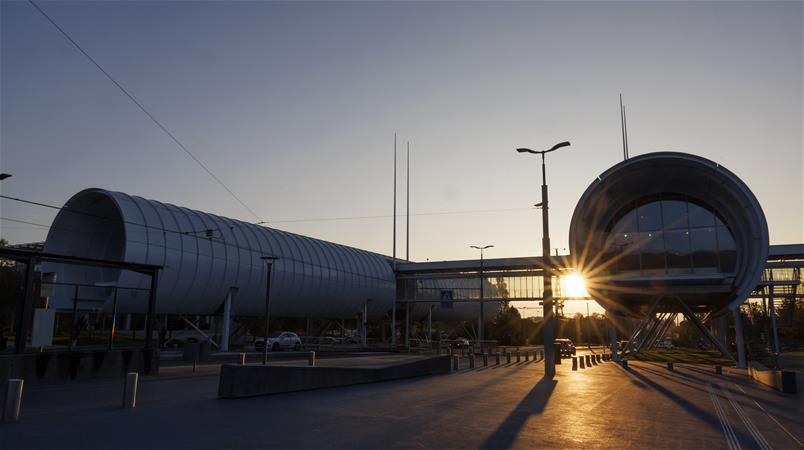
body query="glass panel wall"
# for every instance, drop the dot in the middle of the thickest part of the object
(671, 235)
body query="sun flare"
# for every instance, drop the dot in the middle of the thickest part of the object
(573, 286)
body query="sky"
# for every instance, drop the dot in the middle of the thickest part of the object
(295, 105)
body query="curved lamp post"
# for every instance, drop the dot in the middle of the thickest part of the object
(547, 303)
(480, 321)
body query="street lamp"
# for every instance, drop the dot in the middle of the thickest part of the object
(269, 261)
(547, 304)
(480, 334)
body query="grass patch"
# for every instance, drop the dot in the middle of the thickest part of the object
(684, 355)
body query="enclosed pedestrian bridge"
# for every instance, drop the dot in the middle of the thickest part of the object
(440, 283)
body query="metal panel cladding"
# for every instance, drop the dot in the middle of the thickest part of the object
(203, 255)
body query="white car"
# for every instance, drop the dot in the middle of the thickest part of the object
(279, 340)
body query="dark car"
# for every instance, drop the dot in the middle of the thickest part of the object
(567, 347)
(460, 343)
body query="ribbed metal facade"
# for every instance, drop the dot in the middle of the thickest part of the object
(203, 255)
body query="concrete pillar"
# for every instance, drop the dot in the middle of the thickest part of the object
(774, 329)
(430, 324)
(227, 315)
(13, 400)
(407, 325)
(364, 324)
(393, 325)
(613, 336)
(723, 330)
(739, 339)
(130, 390)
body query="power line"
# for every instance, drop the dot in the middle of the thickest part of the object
(147, 113)
(388, 216)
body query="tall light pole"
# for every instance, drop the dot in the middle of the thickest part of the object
(480, 334)
(547, 303)
(269, 261)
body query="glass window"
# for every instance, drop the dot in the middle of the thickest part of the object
(704, 250)
(627, 245)
(653, 260)
(677, 246)
(700, 217)
(674, 236)
(626, 223)
(650, 217)
(674, 214)
(728, 250)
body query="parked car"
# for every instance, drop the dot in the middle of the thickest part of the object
(460, 343)
(279, 340)
(567, 347)
(664, 344)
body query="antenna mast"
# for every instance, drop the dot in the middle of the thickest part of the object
(394, 227)
(407, 210)
(624, 127)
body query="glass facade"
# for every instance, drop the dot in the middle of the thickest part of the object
(670, 236)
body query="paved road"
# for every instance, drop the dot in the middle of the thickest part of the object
(507, 406)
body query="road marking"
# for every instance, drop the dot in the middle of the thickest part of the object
(728, 432)
(792, 436)
(749, 424)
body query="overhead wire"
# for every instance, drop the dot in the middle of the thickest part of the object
(145, 111)
(195, 233)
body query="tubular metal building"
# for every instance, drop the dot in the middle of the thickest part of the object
(203, 256)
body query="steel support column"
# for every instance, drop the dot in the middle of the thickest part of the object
(738, 338)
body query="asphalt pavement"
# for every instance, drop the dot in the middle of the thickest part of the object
(506, 406)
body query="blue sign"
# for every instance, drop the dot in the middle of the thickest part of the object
(446, 299)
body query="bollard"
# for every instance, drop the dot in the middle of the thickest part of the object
(574, 363)
(719, 369)
(497, 358)
(471, 360)
(625, 364)
(508, 357)
(242, 359)
(485, 360)
(598, 358)
(527, 355)
(311, 359)
(669, 366)
(13, 400)
(588, 360)
(581, 360)
(455, 363)
(130, 390)
(518, 356)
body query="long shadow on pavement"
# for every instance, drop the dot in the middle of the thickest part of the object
(532, 404)
(704, 416)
